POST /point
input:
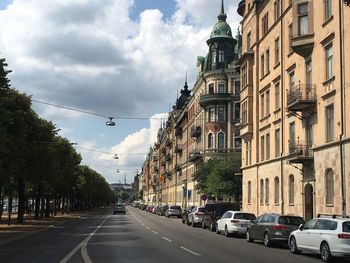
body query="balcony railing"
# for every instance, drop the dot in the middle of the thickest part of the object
(168, 157)
(168, 143)
(196, 132)
(214, 98)
(301, 97)
(167, 174)
(178, 149)
(300, 152)
(194, 156)
(178, 131)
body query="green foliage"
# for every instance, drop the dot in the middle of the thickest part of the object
(217, 177)
(4, 81)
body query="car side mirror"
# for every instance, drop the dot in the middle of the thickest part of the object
(253, 221)
(301, 227)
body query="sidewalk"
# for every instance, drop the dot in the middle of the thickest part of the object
(9, 234)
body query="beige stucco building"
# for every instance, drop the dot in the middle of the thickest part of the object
(295, 122)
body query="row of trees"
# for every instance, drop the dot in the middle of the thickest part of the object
(39, 167)
(219, 178)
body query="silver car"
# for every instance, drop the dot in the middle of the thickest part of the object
(119, 208)
(196, 215)
(174, 210)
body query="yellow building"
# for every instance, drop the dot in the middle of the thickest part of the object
(294, 119)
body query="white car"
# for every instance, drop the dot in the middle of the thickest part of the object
(328, 236)
(196, 215)
(234, 222)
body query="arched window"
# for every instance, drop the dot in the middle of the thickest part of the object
(249, 192)
(221, 56)
(267, 190)
(329, 187)
(211, 89)
(277, 190)
(221, 140)
(291, 189)
(261, 191)
(210, 140)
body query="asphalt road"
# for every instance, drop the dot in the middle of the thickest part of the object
(139, 236)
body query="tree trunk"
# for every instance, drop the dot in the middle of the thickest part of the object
(1, 203)
(9, 209)
(42, 207)
(21, 201)
(47, 207)
(37, 201)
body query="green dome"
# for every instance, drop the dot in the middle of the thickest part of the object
(221, 29)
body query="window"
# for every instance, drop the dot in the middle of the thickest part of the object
(221, 88)
(249, 192)
(262, 105)
(329, 61)
(303, 19)
(277, 142)
(221, 113)
(221, 140)
(262, 65)
(262, 145)
(329, 186)
(246, 153)
(237, 111)
(291, 189)
(249, 39)
(267, 61)
(277, 51)
(261, 191)
(277, 190)
(237, 139)
(244, 76)
(221, 56)
(277, 95)
(267, 191)
(292, 137)
(267, 97)
(211, 88)
(237, 87)
(290, 33)
(276, 7)
(292, 81)
(210, 140)
(327, 9)
(268, 146)
(330, 123)
(308, 67)
(265, 23)
(211, 114)
(250, 152)
(244, 112)
(213, 58)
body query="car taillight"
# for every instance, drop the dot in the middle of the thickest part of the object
(279, 227)
(344, 236)
(198, 213)
(235, 221)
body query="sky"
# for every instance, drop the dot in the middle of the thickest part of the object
(121, 58)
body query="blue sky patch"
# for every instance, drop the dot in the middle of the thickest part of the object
(4, 4)
(167, 7)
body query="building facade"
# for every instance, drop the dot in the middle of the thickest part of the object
(294, 119)
(202, 124)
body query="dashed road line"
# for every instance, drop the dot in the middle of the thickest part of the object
(167, 239)
(190, 251)
(147, 227)
(155, 232)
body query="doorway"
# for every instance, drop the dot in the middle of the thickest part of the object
(309, 202)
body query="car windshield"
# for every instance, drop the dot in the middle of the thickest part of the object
(291, 220)
(201, 209)
(175, 207)
(244, 216)
(346, 227)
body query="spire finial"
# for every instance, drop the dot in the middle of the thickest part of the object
(186, 86)
(222, 16)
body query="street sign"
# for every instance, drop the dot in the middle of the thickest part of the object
(204, 197)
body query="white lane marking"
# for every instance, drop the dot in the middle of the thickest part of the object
(190, 251)
(167, 239)
(143, 224)
(82, 245)
(147, 227)
(155, 232)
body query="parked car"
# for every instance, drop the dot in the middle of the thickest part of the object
(234, 222)
(328, 236)
(162, 209)
(272, 228)
(185, 214)
(196, 216)
(119, 208)
(214, 211)
(154, 209)
(173, 210)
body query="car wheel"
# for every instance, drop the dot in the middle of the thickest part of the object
(203, 225)
(193, 224)
(248, 237)
(217, 230)
(293, 246)
(267, 241)
(325, 252)
(212, 227)
(227, 234)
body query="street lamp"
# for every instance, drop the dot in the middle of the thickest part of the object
(110, 122)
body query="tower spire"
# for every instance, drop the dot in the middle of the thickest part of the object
(186, 86)
(222, 16)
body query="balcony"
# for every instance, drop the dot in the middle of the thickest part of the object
(178, 131)
(155, 168)
(154, 182)
(155, 158)
(168, 143)
(301, 98)
(167, 174)
(168, 157)
(163, 151)
(246, 130)
(194, 155)
(196, 132)
(303, 44)
(301, 153)
(163, 163)
(177, 168)
(214, 98)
